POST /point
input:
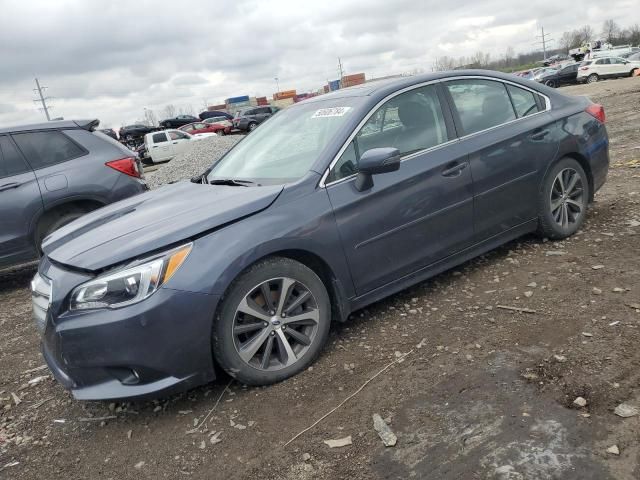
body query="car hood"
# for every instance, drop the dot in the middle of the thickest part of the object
(151, 221)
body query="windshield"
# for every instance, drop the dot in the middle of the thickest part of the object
(285, 147)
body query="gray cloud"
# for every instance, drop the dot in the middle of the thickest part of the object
(112, 59)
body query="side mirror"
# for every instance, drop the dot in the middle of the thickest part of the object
(374, 162)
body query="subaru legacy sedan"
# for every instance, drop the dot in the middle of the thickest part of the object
(335, 203)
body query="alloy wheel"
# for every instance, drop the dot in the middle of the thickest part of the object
(567, 198)
(275, 324)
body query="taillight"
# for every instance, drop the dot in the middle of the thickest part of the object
(597, 111)
(128, 166)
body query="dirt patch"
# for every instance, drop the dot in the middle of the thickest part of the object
(457, 403)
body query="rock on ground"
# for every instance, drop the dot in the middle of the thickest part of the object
(194, 161)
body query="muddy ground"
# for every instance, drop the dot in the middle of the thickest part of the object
(481, 393)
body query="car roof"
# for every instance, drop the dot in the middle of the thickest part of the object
(386, 86)
(55, 124)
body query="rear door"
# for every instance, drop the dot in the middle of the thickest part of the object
(161, 148)
(509, 137)
(619, 67)
(415, 216)
(179, 141)
(20, 204)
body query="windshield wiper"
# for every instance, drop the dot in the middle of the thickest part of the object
(232, 182)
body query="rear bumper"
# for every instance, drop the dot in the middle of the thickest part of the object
(156, 347)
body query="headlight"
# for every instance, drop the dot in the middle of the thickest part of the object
(131, 284)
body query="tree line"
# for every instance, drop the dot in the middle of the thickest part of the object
(610, 32)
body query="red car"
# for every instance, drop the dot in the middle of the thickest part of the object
(201, 127)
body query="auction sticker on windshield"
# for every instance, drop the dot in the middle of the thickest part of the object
(331, 112)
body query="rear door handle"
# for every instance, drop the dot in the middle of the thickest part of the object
(539, 135)
(175, 143)
(454, 170)
(9, 186)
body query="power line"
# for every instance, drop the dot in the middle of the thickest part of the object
(543, 36)
(42, 99)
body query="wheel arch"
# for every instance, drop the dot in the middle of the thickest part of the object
(584, 163)
(340, 306)
(73, 204)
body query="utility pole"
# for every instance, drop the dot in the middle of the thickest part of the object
(340, 71)
(544, 40)
(277, 84)
(43, 99)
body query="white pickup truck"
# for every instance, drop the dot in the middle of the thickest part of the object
(163, 146)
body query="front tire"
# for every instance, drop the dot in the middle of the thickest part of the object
(550, 83)
(563, 200)
(252, 126)
(272, 323)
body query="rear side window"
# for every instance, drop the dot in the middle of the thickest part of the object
(602, 61)
(524, 101)
(480, 104)
(11, 162)
(159, 137)
(47, 148)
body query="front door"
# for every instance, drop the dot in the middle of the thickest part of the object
(179, 141)
(20, 202)
(412, 217)
(509, 137)
(161, 148)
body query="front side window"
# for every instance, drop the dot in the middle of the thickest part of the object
(11, 162)
(410, 122)
(178, 136)
(480, 104)
(47, 148)
(524, 101)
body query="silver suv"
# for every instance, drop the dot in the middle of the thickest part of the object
(53, 173)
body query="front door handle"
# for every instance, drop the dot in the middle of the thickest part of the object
(539, 135)
(9, 186)
(175, 143)
(454, 171)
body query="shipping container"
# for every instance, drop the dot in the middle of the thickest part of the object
(284, 94)
(326, 89)
(334, 85)
(262, 101)
(213, 108)
(282, 103)
(240, 99)
(360, 77)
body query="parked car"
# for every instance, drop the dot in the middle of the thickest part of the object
(53, 173)
(132, 132)
(633, 57)
(541, 72)
(202, 127)
(214, 113)
(608, 67)
(225, 122)
(178, 121)
(163, 146)
(249, 119)
(110, 132)
(565, 76)
(335, 203)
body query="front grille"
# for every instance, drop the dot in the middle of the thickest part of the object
(40, 299)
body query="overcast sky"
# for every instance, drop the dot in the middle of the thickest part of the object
(111, 59)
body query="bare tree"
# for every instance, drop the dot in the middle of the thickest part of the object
(632, 34)
(509, 55)
(169, 111)
(610, 30)
(585, 34)
(444, 63)
(480, 59)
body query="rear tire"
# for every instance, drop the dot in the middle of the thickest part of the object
(252, 126)
(563, 200)
(260, 339)
(633, 72)
(550, 83)
(593, 78)
(56, 221)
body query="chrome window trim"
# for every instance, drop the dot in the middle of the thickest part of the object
(547, 100)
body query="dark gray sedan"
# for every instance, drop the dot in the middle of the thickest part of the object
(333, 204)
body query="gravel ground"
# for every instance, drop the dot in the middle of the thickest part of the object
(194, 161)
(483, 392)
